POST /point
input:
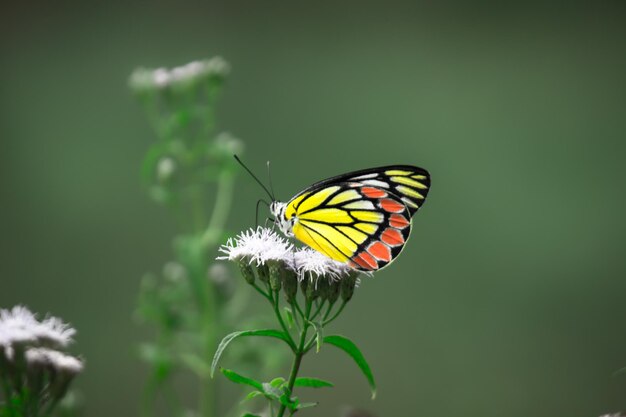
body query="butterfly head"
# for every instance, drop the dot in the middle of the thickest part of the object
(284, 224)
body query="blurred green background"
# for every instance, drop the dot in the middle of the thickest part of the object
(509, 298)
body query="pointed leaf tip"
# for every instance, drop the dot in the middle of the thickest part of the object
(353, 351)
(312, 383)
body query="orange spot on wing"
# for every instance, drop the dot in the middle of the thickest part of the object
(398, 221)
(391, 206)
(380, 251)
(392, 237)
(373, 192)
(365, 261)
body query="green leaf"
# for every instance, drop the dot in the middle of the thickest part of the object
(353, 351)
(290, 320)
(277, 382)
(225, 341)
(306, 405)
(252, 395)
(312, 383)
(319, 334)
(250, 415)
(240, 379)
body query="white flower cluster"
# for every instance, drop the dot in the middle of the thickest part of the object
(260, 245)
(159, 78)
(20, 330)
(311, 262)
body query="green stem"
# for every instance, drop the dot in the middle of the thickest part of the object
(208, 400)
(295, 314)
(262, 292)
(295, 303)
(328, 310)
(149, 393)
(50, 408)
(9, 396)
(276, 306)
(297, 360)
(343, 305)
(223, 200)
(319, 309)
(271, 408)
(210, 237)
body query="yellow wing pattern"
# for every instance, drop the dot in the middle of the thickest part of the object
(361, 218)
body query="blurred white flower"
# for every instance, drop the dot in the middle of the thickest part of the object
(20, 326)
(174, 272)
(53, 331)
(17, 317)
(143, 79)
(160, 77)
(258, 246)
(59, 361)
(165, 169)
(228, 144)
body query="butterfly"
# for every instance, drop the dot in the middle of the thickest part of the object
(361, 218)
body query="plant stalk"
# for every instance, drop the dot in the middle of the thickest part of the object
(297, 360)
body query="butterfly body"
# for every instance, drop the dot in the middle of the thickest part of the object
(362, 218)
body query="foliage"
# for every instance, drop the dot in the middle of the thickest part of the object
(189, 170)
(269, 268)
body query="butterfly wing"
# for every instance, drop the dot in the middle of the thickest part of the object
(362, 218)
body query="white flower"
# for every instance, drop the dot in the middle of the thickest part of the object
(308, 261)
(160, 77)
(147, 79)
(54, 331)
(20, 326)
(174, 272)
(258, 246)
(18, 316)
(165, 169)
(59, 361)
(17, 326)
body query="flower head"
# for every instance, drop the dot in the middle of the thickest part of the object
(143, 79)
(59, 361)
(309, 262)
(53, 331)
(258, 246)
(19, 326)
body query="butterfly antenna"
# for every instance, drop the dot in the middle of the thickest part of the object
(254, 176)
(269, 175)
(256, 217)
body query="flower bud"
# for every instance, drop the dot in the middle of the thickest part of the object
(37, 365)
(304, 285)
(323, 287)
(246, 271)
(66, 368)
(348, 283)
(334, 289)
(290, 285)
(276, 269)
(263, 272)
(309, 287)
